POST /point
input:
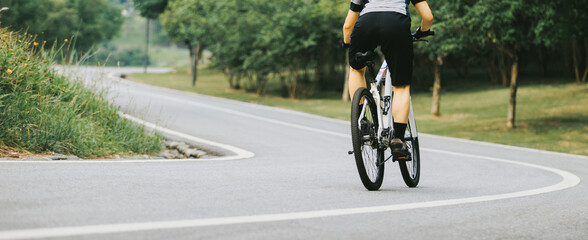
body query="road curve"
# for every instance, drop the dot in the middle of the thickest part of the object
(288, 176)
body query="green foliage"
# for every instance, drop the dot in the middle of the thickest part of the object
(479, 24)
(151, 8)
(41, 110)
(191, 20)
(293, 40)
(88, 22)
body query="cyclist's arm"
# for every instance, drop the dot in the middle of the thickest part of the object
(352, 17)
(426, 14)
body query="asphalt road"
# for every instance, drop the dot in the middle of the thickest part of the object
(287, 175)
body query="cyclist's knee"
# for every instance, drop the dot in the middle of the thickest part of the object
(404, 89)
(355, 63)
(401, 87)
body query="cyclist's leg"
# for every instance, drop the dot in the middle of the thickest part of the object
(400, 108)
(356, 80)
(363, 39)
(401, 104)
(397, 48)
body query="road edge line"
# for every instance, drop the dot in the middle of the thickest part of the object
(569, 180)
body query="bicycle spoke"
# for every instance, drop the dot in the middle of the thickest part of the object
(370, 161)
(364, 137)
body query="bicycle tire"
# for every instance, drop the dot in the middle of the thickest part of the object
(369, 156)
(411, 170)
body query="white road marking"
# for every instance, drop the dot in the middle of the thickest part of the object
(242, 114)
(505, 146)
(239, 152)
(568, 180)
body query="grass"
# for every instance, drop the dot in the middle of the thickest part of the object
(42, 111)
(550, 117)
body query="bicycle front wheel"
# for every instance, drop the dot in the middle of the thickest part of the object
(411, 168)
(369, 156)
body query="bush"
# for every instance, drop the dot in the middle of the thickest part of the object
(42, 111)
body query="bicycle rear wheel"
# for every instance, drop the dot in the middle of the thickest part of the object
(411, 168)
(369, 156)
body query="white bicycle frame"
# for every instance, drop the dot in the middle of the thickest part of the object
(385, 112)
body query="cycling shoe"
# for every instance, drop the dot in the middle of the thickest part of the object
(398, 148)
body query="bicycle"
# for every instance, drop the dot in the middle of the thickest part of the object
(371, 127)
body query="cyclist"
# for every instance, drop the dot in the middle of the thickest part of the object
(386, 23)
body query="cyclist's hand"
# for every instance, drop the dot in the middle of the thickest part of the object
(420, 34)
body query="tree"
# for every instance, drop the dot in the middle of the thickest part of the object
(445, 42)
(501, 25)
(87, 22)
(192, 22)
(511, 26)
(150, 9)
(572, 14)
(303, 55)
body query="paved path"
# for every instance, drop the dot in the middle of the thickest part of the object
(299, 184)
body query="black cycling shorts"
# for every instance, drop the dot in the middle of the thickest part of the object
(391, 31)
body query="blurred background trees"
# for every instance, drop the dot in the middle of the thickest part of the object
(86, 23)
(296, 43)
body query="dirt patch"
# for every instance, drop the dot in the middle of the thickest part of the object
(171, 150)
(13, 153)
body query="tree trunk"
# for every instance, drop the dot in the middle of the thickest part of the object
(294, 88)
(238, 82)
(147, 36)
(585, 59)
(260, 85)
(230, 76)
(435, 108)
(503, 71)
(191, 52)
(195, 59)
(575, 60)
(510, 120)
(345, 94)
(490, 67)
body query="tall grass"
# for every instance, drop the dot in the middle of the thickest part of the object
(42, 111)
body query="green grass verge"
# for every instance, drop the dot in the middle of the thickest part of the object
(549, 117)
(42, 111)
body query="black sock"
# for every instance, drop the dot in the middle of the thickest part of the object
(399, 129)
